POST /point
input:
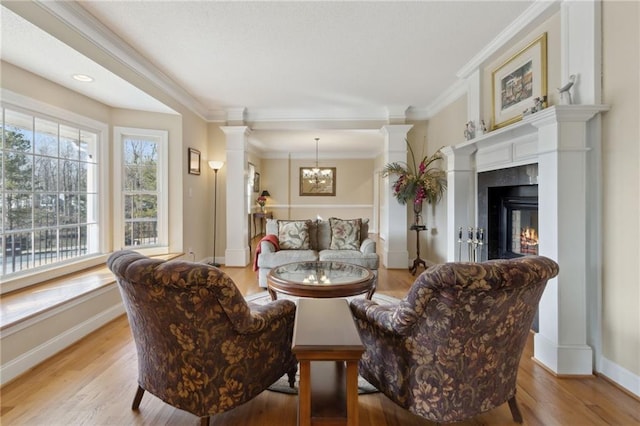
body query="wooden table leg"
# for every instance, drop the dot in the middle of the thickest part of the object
(304, 394)
(272, 293)
(352, 393)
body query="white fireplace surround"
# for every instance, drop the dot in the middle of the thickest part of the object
(564, 141)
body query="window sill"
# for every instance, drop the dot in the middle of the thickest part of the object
(27, 303)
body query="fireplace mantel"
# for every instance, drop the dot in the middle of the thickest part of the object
(564, 141)
(517, 143)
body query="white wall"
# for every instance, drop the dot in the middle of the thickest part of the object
(354, 189)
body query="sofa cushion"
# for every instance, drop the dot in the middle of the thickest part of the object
(278, 258)
(345, 234)
(294, 234)
(367, 260)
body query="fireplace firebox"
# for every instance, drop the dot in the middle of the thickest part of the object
(508, 211)
(513, 221)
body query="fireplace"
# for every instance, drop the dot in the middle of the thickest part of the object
(508, 211)
(512, 221)
(563, 143)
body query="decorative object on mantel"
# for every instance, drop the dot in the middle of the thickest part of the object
(518, 81)
(475, 243)
(565, 94)
(469, 130)
(539, 104)
(482, 129)
(262, 200)
(418, 183)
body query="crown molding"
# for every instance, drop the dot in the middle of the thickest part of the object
(76, 18)
(216, 116)
(536, 13)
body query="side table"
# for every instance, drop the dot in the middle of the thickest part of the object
(325, 341)
(417, 261)
(262, 216)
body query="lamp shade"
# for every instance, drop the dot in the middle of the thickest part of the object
(216, 165)
(265, 193)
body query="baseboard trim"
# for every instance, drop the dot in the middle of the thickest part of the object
(561, 376)
(620, 377)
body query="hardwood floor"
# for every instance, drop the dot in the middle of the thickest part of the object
(94, 381)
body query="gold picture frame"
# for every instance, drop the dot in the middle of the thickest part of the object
(518, 81)
(256, 182)
(318, 182)
(194, 161)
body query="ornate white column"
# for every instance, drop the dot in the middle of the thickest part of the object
(237, 252)
(461, 195)
(565, 222)
(394, 215)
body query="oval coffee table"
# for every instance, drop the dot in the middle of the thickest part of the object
(320, 280)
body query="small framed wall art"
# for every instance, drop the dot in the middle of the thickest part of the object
(194, 161)
(518, 82)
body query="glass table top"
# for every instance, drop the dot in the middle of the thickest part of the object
(321, 273)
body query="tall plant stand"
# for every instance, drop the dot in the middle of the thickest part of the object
(417, 261)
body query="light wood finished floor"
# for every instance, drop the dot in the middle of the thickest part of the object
(94, 381)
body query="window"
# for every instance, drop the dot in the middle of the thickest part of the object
(140, 184)
(49, 184)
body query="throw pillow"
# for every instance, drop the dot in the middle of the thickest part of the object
(293, 234)
(345, 234)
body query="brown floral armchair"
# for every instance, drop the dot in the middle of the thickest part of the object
(450, 349)
(201, 347)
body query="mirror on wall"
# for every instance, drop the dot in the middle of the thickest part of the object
(251, 179)
(317, 181)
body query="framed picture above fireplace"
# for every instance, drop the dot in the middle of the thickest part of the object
(518, 81)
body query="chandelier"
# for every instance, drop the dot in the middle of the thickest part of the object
(315, 176)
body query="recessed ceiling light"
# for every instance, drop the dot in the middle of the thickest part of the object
(82, 77)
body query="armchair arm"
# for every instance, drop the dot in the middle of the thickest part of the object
(393, 319)
(262, 316)
(368, 246)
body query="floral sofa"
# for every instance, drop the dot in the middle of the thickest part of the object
(310, 240)
(450, 349)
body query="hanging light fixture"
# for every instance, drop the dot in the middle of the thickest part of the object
(315, 176)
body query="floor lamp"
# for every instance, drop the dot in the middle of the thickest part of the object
(215, 166)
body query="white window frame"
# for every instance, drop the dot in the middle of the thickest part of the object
(162, 136)
(18, 102)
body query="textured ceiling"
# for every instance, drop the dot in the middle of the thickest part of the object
(297, 62)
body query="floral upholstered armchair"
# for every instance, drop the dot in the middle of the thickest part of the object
(450, 349)
(201, 348)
